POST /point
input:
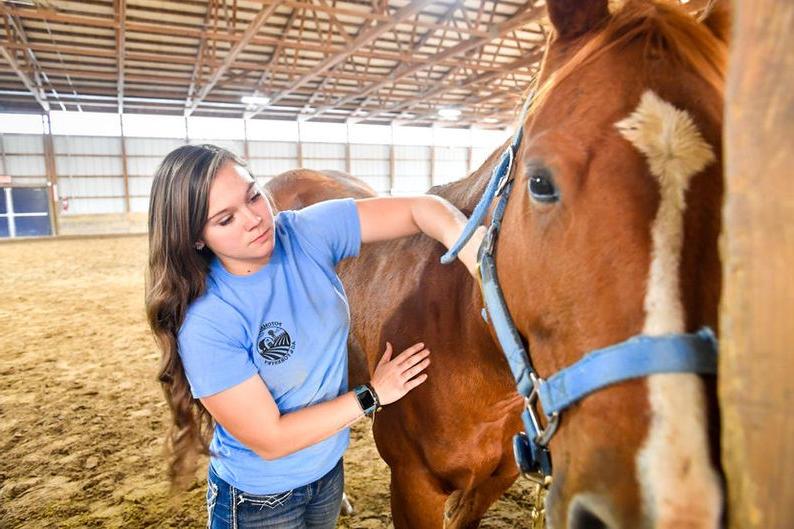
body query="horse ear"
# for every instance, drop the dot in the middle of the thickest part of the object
(717, 17)
(572, 18)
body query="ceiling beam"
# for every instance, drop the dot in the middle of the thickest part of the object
(524, 15)
(440, 90)
(198, 63)
(364, 37)
(249, 33)
(36, 91)
(121, 42)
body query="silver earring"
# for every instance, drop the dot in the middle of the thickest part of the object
(199, 245)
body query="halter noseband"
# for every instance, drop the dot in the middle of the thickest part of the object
(640, 356)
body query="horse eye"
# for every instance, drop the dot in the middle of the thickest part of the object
(541, 186)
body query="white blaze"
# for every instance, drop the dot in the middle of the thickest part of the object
(679, 487)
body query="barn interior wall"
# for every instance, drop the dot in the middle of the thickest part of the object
(102, 183)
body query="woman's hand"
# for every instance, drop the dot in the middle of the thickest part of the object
(394, 378)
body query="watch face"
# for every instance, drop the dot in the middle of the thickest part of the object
(366, 399)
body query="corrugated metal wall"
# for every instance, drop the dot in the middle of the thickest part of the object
(90, 170)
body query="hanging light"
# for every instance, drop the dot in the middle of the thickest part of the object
(255, 100)
(449, 113)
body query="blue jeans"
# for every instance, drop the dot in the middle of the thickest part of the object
(312, 506)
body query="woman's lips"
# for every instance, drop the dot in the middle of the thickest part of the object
(261, 237)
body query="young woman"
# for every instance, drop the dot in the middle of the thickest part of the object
(253, 322)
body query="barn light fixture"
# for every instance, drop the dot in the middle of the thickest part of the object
(255, 100)
(449, 113)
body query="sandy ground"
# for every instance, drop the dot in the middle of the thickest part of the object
(82, 419)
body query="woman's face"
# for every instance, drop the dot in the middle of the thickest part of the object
(239, 228)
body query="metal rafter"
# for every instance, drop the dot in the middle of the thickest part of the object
(526, 13)
(364, 38)
(249, 33)
(121, 17)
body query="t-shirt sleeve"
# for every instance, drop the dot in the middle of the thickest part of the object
(214, 353)
(331, 227)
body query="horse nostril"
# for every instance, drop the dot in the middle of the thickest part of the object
(584, 518)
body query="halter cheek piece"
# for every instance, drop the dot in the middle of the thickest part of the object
(640, 356)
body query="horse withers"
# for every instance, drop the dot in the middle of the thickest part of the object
(611, 231)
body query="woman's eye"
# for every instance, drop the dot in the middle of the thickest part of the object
(225, 220)
(255, 197)
(541, 186)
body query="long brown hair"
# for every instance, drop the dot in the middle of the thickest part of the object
(176, 276)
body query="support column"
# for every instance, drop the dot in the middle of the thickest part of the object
(52, 176)
(124, 170)
(756, 373)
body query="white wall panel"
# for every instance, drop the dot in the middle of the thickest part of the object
(324, 163)
(378, 183)
(410, 185)
(26, 165)
(31, 180)
(139, 205)
(265, 167)
(362, 168)
(411, 168)
(88, 165)
(143, 166)
(81, 187)
(236, 146)
(23, 143)
(452, 153)
(140, 185)
(478, 157)
(449, 171)
(94, 145)
(152, 146)
(268, 148)
(323, 150)
(369, 151)
(412, 152)
(79, 206)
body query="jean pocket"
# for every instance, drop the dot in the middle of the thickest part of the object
(212, 497)
(270, 501)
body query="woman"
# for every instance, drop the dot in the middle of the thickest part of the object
(253, 322)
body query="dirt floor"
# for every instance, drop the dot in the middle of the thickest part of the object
(82, 419)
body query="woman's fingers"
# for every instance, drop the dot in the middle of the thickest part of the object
(405, 355)
(411, 372)
(386, 355)
(411, 384)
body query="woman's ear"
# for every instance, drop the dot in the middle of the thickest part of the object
(199, 245)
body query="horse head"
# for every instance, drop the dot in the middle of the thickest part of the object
(611, 231)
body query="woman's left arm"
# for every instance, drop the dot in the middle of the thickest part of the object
(386, 218)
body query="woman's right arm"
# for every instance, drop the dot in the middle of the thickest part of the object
(249, 413)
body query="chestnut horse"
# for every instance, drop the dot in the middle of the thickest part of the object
(611, 231)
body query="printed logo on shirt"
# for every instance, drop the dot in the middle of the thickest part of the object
(274, 343)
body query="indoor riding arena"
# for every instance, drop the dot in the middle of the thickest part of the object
(620, 359)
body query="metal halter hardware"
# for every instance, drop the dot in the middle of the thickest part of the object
(637, 357)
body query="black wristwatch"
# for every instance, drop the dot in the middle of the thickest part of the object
(367, 399)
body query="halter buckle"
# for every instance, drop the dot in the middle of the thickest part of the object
(544, 435)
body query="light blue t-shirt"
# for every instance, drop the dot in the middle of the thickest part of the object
(289, 323)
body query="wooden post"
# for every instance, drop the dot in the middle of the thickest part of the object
(756, 379)
(52, 176)
(300, 147)
(432, 165)
(124, 169)
(246, 150)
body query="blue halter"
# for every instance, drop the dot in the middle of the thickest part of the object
(637, 357)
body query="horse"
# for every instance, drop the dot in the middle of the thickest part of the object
(611, 231)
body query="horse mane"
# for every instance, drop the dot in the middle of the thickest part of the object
(664, 30)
